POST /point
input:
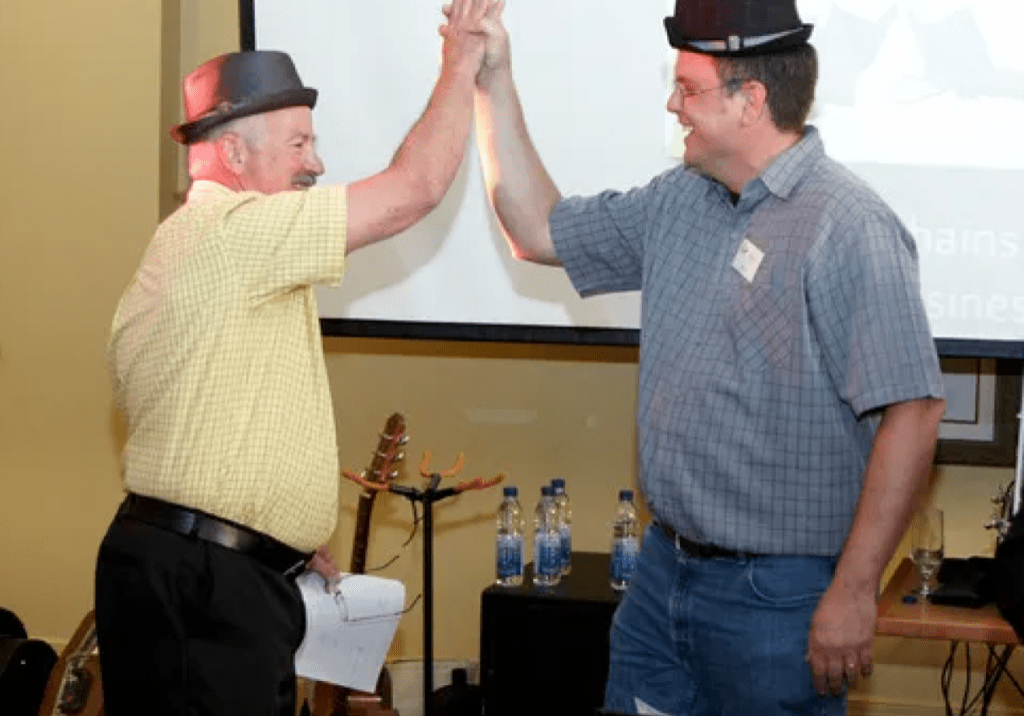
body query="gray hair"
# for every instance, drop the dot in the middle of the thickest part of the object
(253, 129)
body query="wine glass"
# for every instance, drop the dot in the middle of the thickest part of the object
(926, 547)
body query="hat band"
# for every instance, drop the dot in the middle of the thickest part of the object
(734, 43)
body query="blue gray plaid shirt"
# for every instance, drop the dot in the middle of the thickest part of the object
(759, 393)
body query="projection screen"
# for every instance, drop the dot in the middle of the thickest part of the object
(922, 98)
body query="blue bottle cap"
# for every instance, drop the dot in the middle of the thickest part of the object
(558, 482)
(509, 491)
(625, 495)
(546, 490)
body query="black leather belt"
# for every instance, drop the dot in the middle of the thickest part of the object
(263, 548)
(703, 551)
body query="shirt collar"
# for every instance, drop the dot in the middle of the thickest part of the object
(206, 189)
(782, 175)
(790, 167)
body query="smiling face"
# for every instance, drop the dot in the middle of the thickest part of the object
(710, 111)
(277, 152)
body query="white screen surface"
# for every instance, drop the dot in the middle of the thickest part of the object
(922, 98)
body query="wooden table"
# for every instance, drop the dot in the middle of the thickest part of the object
(924, 620)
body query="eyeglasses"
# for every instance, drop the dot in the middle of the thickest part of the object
(685, 94)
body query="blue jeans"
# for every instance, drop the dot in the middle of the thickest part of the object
(695, 637)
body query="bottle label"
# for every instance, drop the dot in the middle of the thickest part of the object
(548, 554)
(624, 556)
(510, 556)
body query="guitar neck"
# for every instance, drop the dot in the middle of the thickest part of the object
(362, 535)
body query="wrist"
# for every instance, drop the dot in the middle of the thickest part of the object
(491, 77)
(461, 69)
(856, 581)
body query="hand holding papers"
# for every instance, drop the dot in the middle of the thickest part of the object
(349, 628)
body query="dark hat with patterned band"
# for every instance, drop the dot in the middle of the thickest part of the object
(239, 84)
(734, 28)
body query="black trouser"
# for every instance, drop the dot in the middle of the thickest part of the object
(187, 627)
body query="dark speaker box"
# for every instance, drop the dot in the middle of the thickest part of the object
(544, 651)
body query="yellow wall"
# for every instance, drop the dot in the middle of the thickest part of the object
(90, 90)
(78, 202)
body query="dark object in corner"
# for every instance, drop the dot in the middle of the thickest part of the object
(25, 666)
(964, 582)
(1008, 575)
(10, 625)
(459, 698)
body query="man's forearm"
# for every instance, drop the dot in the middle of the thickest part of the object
(896, 475)
(518, 185)
(431, 153)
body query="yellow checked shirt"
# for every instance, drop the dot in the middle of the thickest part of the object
(217, 361)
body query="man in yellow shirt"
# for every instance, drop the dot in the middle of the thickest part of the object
(216, 359)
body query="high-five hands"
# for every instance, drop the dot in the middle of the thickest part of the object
(480, 19)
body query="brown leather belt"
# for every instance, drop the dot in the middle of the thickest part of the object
(703, 551)
(192, 523)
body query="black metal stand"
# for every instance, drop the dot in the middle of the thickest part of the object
(428, 497)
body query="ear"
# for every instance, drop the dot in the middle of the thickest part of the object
(232, 152)
(755, 102)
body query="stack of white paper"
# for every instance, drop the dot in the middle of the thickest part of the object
(348, 629)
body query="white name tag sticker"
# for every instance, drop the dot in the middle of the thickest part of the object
(748, 260)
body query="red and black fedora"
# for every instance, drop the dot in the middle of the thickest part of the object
(734, 28)
(239, 84)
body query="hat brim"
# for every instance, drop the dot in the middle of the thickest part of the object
(678, 40)
(189, 132)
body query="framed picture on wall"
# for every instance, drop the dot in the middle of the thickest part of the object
(983, 398)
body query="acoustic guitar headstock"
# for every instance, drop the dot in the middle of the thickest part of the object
(389, 451)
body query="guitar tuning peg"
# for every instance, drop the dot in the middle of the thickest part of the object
(399, 456)
(403, 440)
(393, 475)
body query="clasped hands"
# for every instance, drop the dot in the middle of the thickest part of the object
(474, 27)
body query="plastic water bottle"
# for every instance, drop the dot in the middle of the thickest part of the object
(564, 523)
(625, 541)
(547, 541)
(509, 549)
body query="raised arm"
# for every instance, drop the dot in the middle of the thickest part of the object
(518, 186)
(426, 162)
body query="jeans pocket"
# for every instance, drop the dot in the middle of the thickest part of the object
(790, 581)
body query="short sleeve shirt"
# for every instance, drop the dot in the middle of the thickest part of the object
(217, 360)
(773, 329)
